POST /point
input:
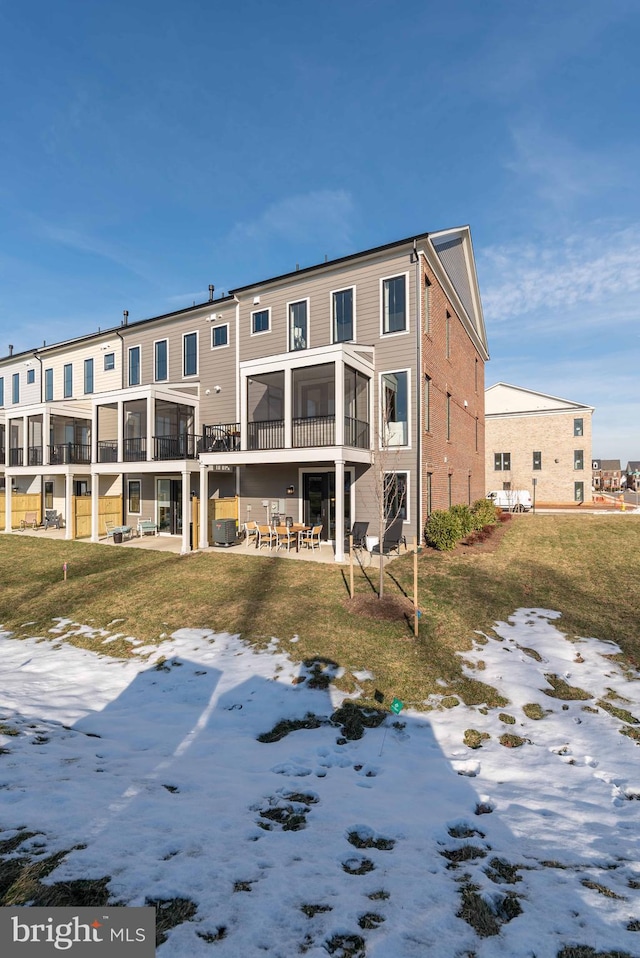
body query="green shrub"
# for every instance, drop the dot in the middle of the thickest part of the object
(463, 512)
(443, 530)
(484, 513)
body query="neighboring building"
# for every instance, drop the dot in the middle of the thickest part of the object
(294, 395)
(632, 475)
(606, 475)
(531, 436)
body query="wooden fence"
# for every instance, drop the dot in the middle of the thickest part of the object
(109, 510)
(21, 503)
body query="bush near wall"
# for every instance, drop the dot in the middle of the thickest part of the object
(444, 529)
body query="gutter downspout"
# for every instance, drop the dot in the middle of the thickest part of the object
(418, 393)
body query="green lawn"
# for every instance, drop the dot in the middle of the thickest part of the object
(586, 567)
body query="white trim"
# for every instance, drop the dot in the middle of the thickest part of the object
(196, 333)
(260, 332)
(165, 339)
(220, 345)
(129, 481)
(392, 372)
(294, 302)
(407, 473)
(129, 351)
(407, 310)
(332, 293)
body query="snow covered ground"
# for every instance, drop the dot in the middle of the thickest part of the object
(155, 766)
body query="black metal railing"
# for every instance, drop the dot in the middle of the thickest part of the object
(267, 434)
(135, 450)
(34, 456)
(107, 450)
(69, 453)
(313, 431)
(2, 454)
(223, 437)
(175, 447)
(16, 456)
(356, 433)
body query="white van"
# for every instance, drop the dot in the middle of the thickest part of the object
(511, 500)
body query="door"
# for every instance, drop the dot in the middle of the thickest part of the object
(319, 491)
(169, 500)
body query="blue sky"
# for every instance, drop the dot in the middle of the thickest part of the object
(148, 149)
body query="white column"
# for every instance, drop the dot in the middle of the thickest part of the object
(25, 440)
(339, 403)
(339, 546)
(120, 433)
(186, 511)
(204, 508)
(94, 433)
(68, 506)
(288, 409)
(46, 434)
(151, 404)
(95, 502)
(7, 497)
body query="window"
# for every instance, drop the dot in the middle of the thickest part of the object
(260, 321)
(448, 415)
(134, 496)
(160, 361)
(395, 408)
(537, 460)
(15, 389)
(342, 311)
(68, 381)
(48, 494)
(578, 459)
(578, 425)
(429, 493)
(298, 325)
(88, 376)
(427, 403)
(190, 354)
(395, 496)
(448, 333)
(475, 375)
(109, 361)
(134, 366)
(502, 460)
(427, 306)
(1, 390)
(48, 385)
(394, 305)
(578, 491)
(220, 336)
(31, 376)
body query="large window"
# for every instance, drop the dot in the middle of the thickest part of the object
(88, 376)
(394, 304)
(537, 460)
(427, 403)
(134, 496)
(502, 461)
(67, 380)
(578, 491)
(448, 333)
(260, 321)
(395, 408)
(578, 458)
(161, 361)
(15, 389)
(298, 337)
(342, 310)
(134, 366)
(396, 503)
(448, 415)
(220, 336)
(190, 354)
(48, 385)
(1, 390)
(578, 425)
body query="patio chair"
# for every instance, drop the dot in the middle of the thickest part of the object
(286, 536)
(147, 527)
(251, 530)
(394, 537)
(113, 530)
(30, 520)
(52, 519)
(358, 533)
(266, 537)
(311, 538)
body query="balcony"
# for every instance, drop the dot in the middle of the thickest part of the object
(34, 456)
(135, 450)
(268, 434)
(107, 450)
(16, 456)
(306, 433)
(175, 447)
(70, 453)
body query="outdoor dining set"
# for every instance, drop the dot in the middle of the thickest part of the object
(283, 535)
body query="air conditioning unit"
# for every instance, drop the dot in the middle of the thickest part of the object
(224, 532)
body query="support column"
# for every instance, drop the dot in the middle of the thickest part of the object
(68, 507)
(95, 503)
(120, 433)
(339, 545)
(46, 435)
(186, 511)
(7, 499)
(151, 402)
(203, 542)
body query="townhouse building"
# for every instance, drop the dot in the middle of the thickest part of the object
(328, 394)
(538, 442)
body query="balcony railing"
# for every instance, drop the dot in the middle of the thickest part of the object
(135, 450)
(224, 437)
(2, 454)
(34, 456)
(356, 433)
(107, 450)
(70, 453)
(313, 431)
(175, 447)
(16, 456)
(268, 434)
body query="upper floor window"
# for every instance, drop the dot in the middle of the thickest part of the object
(427, 306)
(448, 333)
(448, 415)
(67, 381)
(160, 360)
(134, 366)
(15, 389)
(31, 376)
(537, 460)
(109, 361)
(395, 408)
(502, 460)
(427, 403)
(394, 304)
(190, 354)
(578, 425)
(88, 376)
(48, 385)
(1, 390)
(342, 309)
(220, 336)
(260, 321)
(298, 319)
(578, 459)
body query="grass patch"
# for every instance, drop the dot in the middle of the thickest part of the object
(465, 853)
(366, 840)
(507, 719)
(585, 951)
(534, 711)
(601, 889)
(562, 690)
(622, 714)
(474, 739)
(509, 740)
(312, 910)
(169, 913)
